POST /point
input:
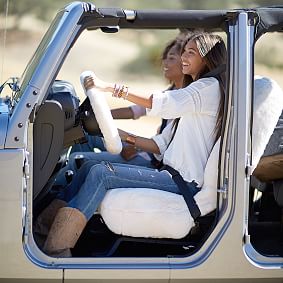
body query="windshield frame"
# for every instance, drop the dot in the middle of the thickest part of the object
(38, 54)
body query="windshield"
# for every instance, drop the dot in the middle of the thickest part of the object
(26, 76)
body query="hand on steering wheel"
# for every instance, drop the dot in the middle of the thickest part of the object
(93, 81)
(93, 88)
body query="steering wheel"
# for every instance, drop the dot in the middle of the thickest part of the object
(102, 113)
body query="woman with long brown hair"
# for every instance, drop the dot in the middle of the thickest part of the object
(184, 145)
(172, 71)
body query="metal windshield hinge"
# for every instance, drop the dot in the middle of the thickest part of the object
(26, 165)
(26, 175)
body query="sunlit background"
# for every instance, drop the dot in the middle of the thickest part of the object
(131, 57)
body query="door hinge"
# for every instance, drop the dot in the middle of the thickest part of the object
(248, 170)
(247, 237)
(223, 190)
(26, 165)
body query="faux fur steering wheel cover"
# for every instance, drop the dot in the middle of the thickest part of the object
(103, 116)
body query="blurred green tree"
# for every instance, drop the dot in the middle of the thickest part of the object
(149, 54)
(224, 4)
(43, 9)
(206, 5)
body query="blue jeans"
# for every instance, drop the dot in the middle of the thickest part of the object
(92, 182)
(97, 158)
(92, 142)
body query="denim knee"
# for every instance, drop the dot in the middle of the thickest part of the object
(99, 172)
(92, 191)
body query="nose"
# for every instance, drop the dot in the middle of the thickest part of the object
(183, 56)
(165, 63)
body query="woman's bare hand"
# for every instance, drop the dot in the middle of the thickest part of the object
(102, 85)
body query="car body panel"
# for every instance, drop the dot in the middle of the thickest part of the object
(14, 264)
(226, 256)
(4, 120)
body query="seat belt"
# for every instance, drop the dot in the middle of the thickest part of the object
(186, 189)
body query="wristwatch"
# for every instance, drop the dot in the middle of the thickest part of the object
(131, 139)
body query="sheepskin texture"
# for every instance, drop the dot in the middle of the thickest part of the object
(103, 116)
(142, 212)
(268, 104)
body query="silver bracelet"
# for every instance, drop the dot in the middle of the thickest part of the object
(126, 92)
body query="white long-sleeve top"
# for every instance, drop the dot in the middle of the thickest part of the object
(138, 111)
(197, 106)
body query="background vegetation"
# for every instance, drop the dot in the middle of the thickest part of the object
(150, 46)
(130, 57)
(44, 9)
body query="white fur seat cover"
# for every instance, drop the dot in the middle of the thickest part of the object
(142, 212)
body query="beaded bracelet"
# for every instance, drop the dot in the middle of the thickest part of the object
(126, 92)
(120, 91)
(116, 90)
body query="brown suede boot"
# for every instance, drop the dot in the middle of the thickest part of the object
(44, 221)
(64, 232)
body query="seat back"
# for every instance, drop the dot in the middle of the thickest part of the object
(270, 166)
(55, 118)
(48, 136)
(268, 104)
(266, 124)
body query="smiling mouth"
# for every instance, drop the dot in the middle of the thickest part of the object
(165, 69)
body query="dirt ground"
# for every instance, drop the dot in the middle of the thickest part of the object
(103, 54)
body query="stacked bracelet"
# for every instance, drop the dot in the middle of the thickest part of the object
(117, 90)
(126, 92)
(120, 91)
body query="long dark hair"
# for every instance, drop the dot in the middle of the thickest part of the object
(212, 49)
(177, 43)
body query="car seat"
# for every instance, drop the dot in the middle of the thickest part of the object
(158, 214)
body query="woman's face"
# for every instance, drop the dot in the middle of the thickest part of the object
(172, 65)
(192, 62)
